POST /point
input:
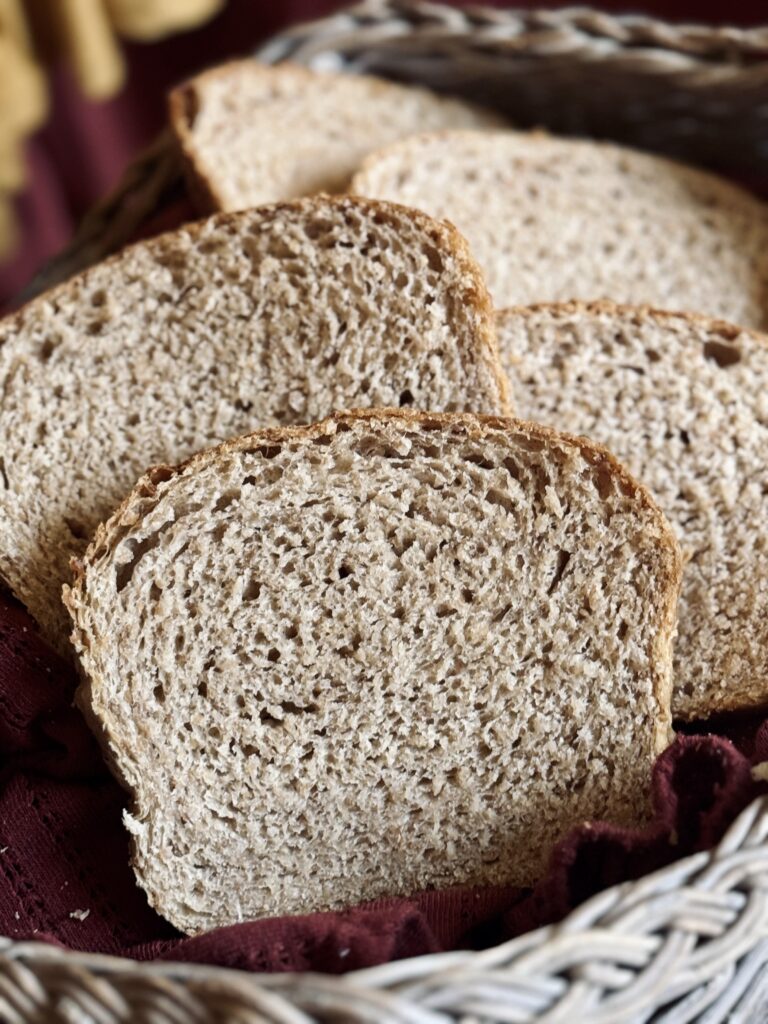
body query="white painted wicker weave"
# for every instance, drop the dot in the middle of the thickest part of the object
(689, 943)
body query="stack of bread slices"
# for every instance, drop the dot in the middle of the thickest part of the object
(393, 510)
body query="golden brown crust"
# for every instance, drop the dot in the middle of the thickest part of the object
(182, 107)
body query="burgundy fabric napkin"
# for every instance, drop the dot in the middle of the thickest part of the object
(65, 876)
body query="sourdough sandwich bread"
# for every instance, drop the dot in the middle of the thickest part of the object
(551, 219)
(274, 316)
(683, 402)
(386, 652)
(251, 134)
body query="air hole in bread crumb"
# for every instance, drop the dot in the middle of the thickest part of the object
(269, 451)
(224, 502)
(479, 460)
(512, 468)
(243, 406)
(251, 590)
(159, 693)
(202, 689)
(137, 548)
(375, 446)
(273, 655)
(444, 610)
(563, 558)
(652, 355)
(344, 571)
(529, 444)
(496, 497)
(603, 482)
(622, 631)
(406, 398)
(159, 474)
(502, 613)
(685, 437)
(297, 709)
(316, 229)
(434, 259)
(723, 355)
(76, 528)
(4, 476)
(47, 349)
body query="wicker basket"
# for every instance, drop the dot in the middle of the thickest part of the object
(689, 943)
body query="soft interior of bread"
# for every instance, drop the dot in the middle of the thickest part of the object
(376, 658)
(684, 403)
(269, 317)
(555, 219)
(257, 134)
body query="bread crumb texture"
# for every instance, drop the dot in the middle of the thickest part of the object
(274, 316)
(553, 219)
(683, 402)
(382, 653)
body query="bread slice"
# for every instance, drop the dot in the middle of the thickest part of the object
(251, 134)
(683, 401)
(385, 652)
(551, 219)
(274, 316)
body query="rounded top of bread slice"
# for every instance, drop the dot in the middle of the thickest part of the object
(251, 133)
(272, 316)
(385, 652)
(553, 219)
(682, 400)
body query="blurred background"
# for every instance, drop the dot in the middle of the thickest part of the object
(83, 82)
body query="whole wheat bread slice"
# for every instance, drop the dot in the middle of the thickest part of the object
(683, 401)
(251, 134)
(274, 316)
(555, 219)
(385, 652)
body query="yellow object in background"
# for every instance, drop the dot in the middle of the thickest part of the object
(35, 34)
(150, 19)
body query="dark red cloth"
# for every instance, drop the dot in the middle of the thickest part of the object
(64, 873)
